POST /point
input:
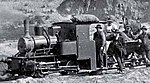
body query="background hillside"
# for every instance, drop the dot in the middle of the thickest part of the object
(12, 12)
(133, 9)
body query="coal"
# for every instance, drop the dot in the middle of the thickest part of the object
(84, 18)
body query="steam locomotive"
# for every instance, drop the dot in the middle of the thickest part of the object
(65, 47)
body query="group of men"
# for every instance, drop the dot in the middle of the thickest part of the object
(104, 35)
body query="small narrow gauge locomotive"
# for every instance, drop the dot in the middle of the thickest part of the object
(65, 47)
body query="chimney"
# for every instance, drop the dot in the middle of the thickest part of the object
(26, 28)
(38, 29)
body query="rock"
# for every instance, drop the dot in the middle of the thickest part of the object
(146, 81)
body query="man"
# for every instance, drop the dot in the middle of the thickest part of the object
(145, 43)
(128, 33)
(109, 32)
(111, 26)
(100, 40)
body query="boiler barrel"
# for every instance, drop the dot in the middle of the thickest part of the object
(30, 44)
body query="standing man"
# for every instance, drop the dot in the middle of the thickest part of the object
(112, 34)
(109, 31)
(145, 46)
(100, 41)
(128, 33)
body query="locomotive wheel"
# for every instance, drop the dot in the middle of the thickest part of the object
(37, 74)
(131, 66)
(63, 72)
(3, 68)
(147, 63)
(70, 72)
(72, 63)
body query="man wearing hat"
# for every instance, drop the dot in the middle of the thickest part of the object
(128, 33)
(145, 43)
(100, 41)
(111, 26)
(144, 28)
(109, 31)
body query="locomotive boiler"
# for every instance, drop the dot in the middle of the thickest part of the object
(39, 41)
(35, 54)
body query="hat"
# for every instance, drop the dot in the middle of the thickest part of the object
(98, 26)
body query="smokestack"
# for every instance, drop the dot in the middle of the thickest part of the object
(38, 30)
(26, 28)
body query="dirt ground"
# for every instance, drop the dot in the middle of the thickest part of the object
(137, 75)
(130, 76)
(8, 48)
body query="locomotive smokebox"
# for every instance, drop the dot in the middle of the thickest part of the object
(26, 28)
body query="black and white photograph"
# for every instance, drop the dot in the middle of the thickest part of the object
(74, 41)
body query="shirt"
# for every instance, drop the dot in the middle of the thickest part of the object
(99, 38)
(110, 28)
